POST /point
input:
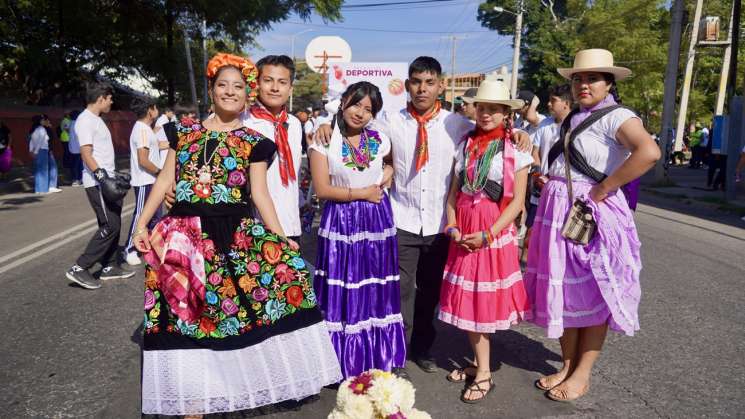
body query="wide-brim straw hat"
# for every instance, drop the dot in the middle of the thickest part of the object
(494, 91)
(596, 60)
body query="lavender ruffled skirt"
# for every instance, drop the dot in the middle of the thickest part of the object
(357, 285)
(570, 285)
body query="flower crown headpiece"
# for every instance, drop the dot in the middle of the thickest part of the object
(247, 68)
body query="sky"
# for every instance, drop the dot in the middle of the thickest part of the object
(400, 33)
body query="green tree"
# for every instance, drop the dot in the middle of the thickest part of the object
(555, 30)
(307, 89)
(45, 44)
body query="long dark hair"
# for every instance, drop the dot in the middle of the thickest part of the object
(353, 95)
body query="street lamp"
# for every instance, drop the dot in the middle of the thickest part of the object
(516, 52)
(292, 43)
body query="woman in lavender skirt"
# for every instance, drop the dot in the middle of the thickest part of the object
(357, 279)
(578, 291)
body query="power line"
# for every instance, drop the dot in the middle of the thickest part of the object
(414, 7)
(391, 3)
(347, 28)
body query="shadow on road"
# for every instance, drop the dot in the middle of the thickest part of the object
(508, 347)
(14, 203)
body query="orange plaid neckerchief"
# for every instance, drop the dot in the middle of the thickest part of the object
(422, 149)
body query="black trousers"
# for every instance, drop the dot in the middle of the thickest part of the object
(421, 261)
(105, 241)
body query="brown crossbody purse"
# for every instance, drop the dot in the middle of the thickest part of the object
(580, 226)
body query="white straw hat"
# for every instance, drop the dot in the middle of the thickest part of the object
(596, 60)
(494, 91)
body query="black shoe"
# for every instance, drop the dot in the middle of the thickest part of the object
(82, 277)
(426, 364)
(115, 272)
(402, 373)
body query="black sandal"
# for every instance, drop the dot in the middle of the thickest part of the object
(476, 386)
(461, 373)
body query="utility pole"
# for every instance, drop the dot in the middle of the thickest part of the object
(516, 48)
(190, 66)
(736, 112)
(722, 92)
(682, 113)
(452, 77)
(453, 38)
(206, 98)
(671, 76)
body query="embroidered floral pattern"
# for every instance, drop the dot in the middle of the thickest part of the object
(226, 175)
(258, 282)
(361, 157)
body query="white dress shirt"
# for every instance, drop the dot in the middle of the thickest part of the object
(419, 198)
(286, 198)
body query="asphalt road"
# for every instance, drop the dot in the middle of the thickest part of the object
(67, 352)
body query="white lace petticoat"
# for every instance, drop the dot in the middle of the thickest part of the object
(289, 366)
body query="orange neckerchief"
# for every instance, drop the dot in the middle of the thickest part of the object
(422, 150)
(286, 166)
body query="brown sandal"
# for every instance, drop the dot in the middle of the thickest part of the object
(563, 396)
(542, 387)
(476, 386)
(464, 376)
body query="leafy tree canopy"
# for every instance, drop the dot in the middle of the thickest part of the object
(47, 47)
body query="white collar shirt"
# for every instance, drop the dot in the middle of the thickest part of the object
(286, 198)
(419, 198)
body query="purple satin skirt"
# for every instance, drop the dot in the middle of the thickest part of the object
(357, 285)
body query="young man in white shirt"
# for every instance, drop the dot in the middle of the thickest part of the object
(559, 105)
(144, 166)
(425, 140)
(97, 152)
(528, 119)
(270, 117)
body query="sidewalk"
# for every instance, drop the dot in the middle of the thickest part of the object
(689, 185)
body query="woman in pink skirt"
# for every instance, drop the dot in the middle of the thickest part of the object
(577, 291)
(482, 290)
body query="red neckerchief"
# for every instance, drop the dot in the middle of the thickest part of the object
(481, 139)
(286, 166)
(422, 150)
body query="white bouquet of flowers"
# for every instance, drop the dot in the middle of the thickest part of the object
(376, 394)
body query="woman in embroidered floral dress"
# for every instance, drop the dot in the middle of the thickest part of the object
(231, 321)
(357, 265)
(482, 289)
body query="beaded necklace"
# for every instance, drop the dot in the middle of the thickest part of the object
(476, 182)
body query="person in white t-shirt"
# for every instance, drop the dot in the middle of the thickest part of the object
(45, 167)
(144, 164)
(166, 117)
(97, 152)
(559, 105)
(528, 119)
